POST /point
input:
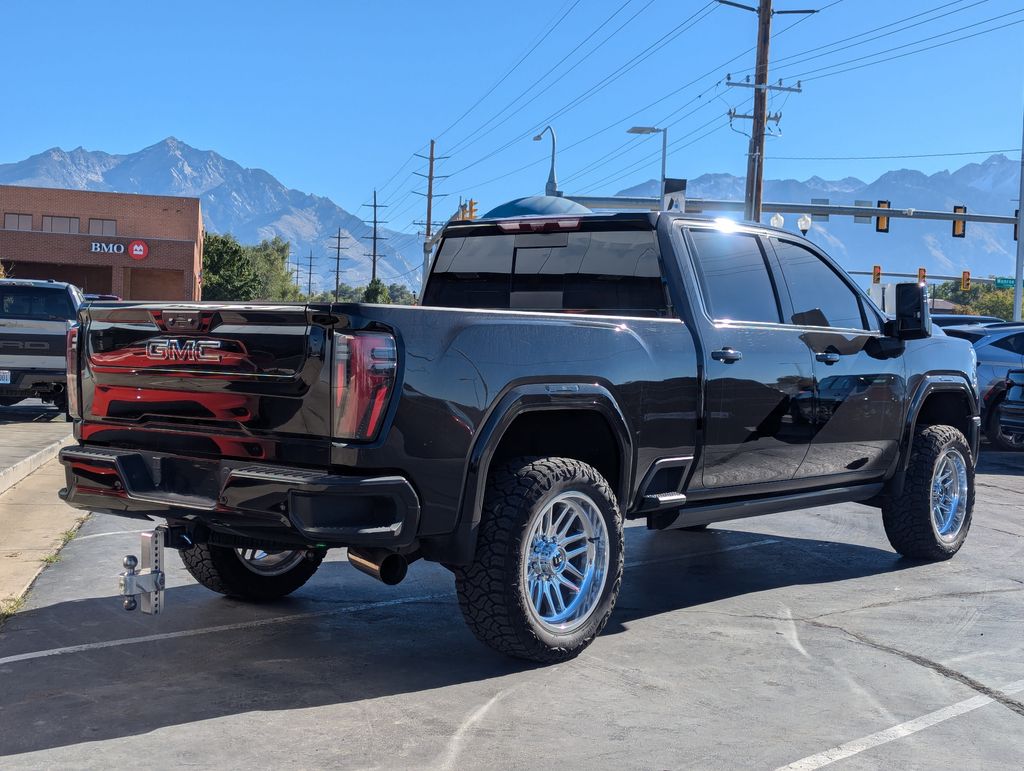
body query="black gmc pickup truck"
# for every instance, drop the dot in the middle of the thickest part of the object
(562, 375)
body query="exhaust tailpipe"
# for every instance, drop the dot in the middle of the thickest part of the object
(388, 567)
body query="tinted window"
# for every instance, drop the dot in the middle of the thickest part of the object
(102, 227)
(591, 272)
(820, 297)
(60, 224)
(18, 221)
(1013, 343)
(971, 337)
(29, 302)
(734, 276)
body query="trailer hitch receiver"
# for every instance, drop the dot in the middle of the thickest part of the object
(145, 587)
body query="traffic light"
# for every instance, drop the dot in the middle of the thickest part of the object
(922, 275)
(882, 222)
(959, 226)
(471, 209)
(876, 274)
(965, 281)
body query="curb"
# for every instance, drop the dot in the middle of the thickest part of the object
(11, 475)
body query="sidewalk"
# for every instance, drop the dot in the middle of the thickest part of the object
(33, 523)
(26, 446)
(33, 519)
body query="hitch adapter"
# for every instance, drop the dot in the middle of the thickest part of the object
(146, 584)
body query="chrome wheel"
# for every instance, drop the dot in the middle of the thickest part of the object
(949, 494)
(565, 562)
(270, 563)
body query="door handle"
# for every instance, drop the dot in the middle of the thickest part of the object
(828, 357)
(727, 354)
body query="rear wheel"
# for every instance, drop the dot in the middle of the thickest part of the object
(250, 574)
(1000, 439)
(548, 562)
(930, 520)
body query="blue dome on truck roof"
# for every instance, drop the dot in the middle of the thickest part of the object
(536, 204)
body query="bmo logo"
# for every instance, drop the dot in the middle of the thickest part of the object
(99, 246)
(137, 250)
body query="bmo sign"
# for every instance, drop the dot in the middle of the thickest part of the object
(137, 250)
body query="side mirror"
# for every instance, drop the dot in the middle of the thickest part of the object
(913, 319)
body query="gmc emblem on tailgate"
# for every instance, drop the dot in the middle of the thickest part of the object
(175, 349)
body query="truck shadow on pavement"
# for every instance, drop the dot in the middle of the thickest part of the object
(344, 640)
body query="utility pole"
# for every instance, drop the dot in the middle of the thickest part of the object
(755, 152)
(309, 286)
(1019, 276)
(337, 264)
(375, 238)
(429, 223)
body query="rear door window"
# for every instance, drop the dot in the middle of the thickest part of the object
(29, 302)
(602, 271)
(734, 276)
(1012, 343)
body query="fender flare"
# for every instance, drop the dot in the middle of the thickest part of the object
(935, 383)
(517, 401)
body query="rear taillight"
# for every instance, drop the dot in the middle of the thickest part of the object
(364, 376)
(74, 407)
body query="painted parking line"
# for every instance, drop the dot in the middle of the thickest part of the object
(213, 629)
(857, 746)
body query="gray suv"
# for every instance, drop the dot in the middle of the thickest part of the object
(1000, 348)
(34, 320)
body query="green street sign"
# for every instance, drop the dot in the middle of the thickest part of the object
(1004, 283)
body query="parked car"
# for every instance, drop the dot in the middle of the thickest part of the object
(954, 319)
(34, 320)
(999, 348)
(1011, 412)
(562, 375)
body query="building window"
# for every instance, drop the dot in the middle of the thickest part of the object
(60, 224)
(102, 227)
(17, 221)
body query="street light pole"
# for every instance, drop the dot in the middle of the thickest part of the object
(1019, 276)
(551, 188)
(664, 149)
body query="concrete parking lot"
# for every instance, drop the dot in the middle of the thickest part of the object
(793, 639)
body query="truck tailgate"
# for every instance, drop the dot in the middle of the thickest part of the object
(224, 381)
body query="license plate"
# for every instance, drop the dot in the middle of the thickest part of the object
(5, 377)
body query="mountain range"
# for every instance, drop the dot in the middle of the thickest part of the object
(248, 203)
(252, 204)
(989, 187)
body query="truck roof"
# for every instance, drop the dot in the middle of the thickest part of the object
(35, 282)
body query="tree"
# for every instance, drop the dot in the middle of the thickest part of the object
(401, 294)
(981, 299)
(228, 273)
(270, 258)
(376, 292)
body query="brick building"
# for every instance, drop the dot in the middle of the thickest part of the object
(139, 247)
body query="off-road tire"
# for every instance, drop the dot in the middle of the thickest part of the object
(908, 517)
(490, 592)
(995, 435)
(220, 569)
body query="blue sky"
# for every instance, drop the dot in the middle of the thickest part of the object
(334, 97)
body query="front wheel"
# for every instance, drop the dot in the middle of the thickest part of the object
(930, 520)
(250, 574)
(548, 561)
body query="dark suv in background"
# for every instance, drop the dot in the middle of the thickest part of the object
(34, 320)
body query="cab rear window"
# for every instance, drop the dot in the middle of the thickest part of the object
(609, 271)
(29, 302)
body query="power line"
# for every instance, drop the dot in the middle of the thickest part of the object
(888, 157)
(804, 75)
(462, 143)
(550, 28)
(653, 48)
